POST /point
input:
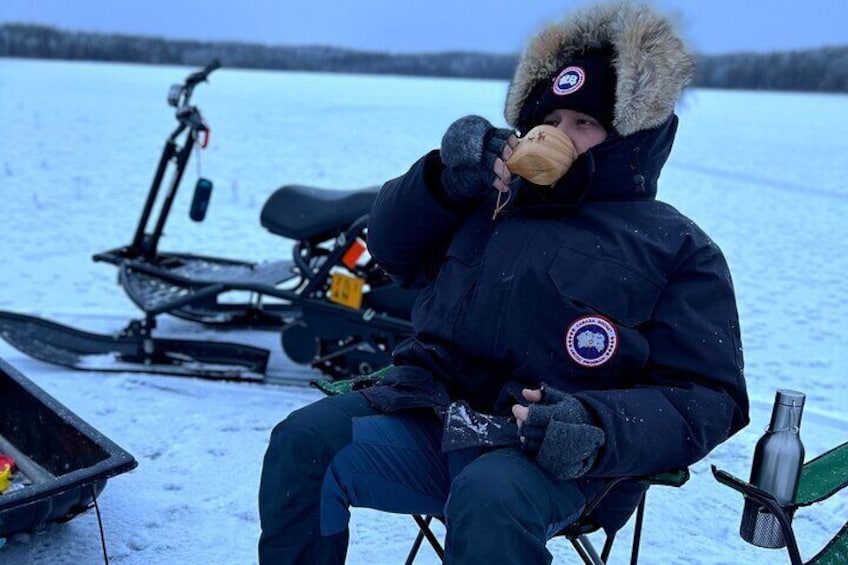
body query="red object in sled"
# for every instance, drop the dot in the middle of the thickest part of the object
(7, 466)
(6, 461)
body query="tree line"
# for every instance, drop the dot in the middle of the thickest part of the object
(812, 70)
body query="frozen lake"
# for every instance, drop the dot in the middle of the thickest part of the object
(763, 173)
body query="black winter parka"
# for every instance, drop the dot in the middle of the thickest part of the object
(591, 286)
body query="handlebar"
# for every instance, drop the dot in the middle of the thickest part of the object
(180, 94)
(201, 76)
(179, 97)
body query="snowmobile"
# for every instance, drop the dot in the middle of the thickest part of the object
(334, 307)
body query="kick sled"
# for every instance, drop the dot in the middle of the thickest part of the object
(334, 308)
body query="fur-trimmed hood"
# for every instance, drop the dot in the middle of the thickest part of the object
(651, 62)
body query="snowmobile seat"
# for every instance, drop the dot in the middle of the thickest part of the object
(314, 214)
(821, 478)
(576, 533)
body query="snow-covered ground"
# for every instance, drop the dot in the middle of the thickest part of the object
(763, 173)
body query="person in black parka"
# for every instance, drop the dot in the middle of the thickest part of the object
(600, 319)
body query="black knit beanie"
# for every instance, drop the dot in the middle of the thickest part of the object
(585, 83)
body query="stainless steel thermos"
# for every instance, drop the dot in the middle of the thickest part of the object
(778, 458)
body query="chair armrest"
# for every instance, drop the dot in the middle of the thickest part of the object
(333, 388)
(743, 487)
(670, 478)
(783, 514)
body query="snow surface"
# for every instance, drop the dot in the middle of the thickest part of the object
(763, 173)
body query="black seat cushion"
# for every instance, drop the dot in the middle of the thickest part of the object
(314, 214)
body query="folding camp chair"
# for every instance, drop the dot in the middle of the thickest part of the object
(820, 479)
(577, 533)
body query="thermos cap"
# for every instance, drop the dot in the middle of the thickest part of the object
(789, 398)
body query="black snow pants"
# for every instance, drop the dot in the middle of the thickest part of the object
(499, 505)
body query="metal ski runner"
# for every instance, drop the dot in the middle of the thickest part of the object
(132, 350)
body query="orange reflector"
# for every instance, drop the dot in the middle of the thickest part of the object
(353, 253)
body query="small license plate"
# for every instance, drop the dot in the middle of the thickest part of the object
(346, 290)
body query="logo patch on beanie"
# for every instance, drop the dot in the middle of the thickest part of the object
(591, 341)
(569, 80)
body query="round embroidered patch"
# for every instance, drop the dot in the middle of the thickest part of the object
(569, 80)
(591, 341)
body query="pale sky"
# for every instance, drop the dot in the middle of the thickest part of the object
(404, 26)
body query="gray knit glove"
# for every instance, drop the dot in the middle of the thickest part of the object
(561, 433)
(470, 147)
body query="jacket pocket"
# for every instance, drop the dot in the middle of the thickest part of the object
(446, 299)
(606, 285)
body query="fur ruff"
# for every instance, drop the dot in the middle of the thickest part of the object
(651, 62)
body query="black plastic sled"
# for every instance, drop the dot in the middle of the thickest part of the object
(61, 462)
(334, 307)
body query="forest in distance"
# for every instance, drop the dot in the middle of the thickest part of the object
(823, 69)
